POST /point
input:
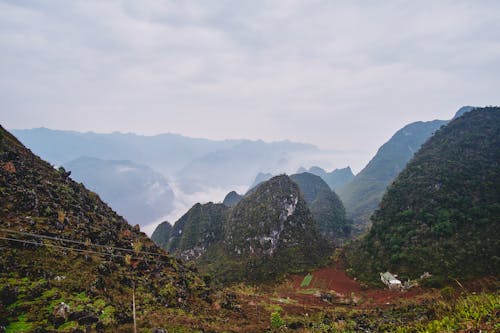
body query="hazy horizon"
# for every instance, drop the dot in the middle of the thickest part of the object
(341, 76)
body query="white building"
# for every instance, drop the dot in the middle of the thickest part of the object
(390, 280)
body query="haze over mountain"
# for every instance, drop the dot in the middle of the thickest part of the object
(140, 194)
(441, 214)
(335, 178)
(195, 169)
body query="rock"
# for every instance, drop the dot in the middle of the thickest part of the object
(8, 295)
(159, 330)
(60, 314)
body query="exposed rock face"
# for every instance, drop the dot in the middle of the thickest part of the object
(268, 233)
(326, 207)
(273, 225)
(232, 199)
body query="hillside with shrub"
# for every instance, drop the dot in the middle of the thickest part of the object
(69, 262)
(442, 213)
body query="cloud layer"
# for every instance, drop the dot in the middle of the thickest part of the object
(341, 75)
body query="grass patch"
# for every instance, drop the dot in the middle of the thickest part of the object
(307, 281)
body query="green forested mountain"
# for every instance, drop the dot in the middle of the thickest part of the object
(326, 207)
(268, 233)
(232, 199)
(271, 231)
(161, 234)
(442, 213)
(197, 230)
(362, 195)
(68, 261)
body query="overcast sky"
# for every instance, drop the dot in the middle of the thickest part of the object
(339, 74)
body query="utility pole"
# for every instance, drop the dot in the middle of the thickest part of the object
(133, 306)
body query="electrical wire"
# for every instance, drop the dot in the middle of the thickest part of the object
(80, 242)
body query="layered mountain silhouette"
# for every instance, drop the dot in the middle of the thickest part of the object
(335, 178)
(362, 195)
(140, 194)
(69, 261)
(441, 214)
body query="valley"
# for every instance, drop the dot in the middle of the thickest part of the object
(283, 256)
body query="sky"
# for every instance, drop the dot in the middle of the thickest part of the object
(343, 75)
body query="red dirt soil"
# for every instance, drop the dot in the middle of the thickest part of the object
(335, 279)
(330, 279)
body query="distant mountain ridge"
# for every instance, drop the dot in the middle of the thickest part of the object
(335, 178)
(140, 194)
(362, 194)
(190, 165)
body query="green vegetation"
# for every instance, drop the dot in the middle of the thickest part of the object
(363, 194)
(441, 214)
(326, 207)
(276, 320)
(307, 280)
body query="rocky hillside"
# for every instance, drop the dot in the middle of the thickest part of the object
(68, 261)
(362, 195)
(268, 233)
(326, 207)
(271, 231)
(441, 214)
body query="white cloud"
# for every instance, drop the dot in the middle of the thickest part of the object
(341, 75)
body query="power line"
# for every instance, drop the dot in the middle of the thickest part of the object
(69, 248)
(80, 242)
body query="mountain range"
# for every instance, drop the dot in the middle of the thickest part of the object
(136, 191)
(363, 193)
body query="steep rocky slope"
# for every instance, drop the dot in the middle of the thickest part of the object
(69, 261)
(268, 233)
(271, 231)
(442, 213)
